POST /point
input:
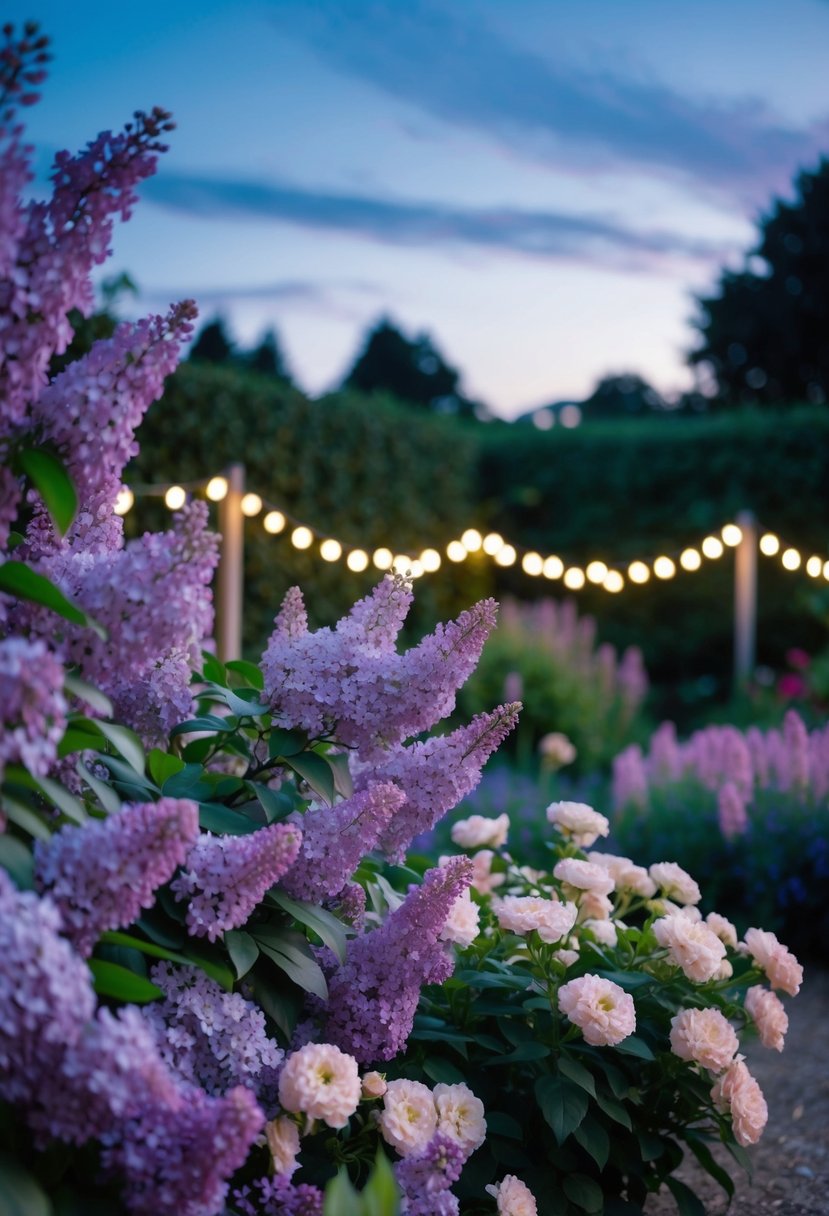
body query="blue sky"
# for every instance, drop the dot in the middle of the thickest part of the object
(540, 184)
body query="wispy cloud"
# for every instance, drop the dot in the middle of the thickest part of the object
(444, 60)
(539, 234)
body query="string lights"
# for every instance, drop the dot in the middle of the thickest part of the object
(613, 577)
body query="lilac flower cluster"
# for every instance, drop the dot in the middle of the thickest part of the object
(278, 1197)
(32, 705)
(373, 995)
(351, 682)
(210, 1037)
(335, 839)
(225, 877)
(102, 874)
(434, 775)
(425, 1178)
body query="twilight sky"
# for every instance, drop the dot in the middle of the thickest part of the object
(540, 184)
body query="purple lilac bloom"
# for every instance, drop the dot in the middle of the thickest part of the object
(335, 840)
(32, 705)
(212, 1038)
(374, 993)
(436, 774)
(102, 874)
(278, 1197)
(225, 877)
(425, 1178)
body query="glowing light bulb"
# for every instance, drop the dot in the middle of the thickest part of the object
(532, 563)
(689, 559)
(402, 564)
(492, 543)
(814, 567)
(175, 498)
(663, 567)
(274, 522)
(731, 534)
(613, 582)
(383, 558)
(553, 567)
(456, 551)
(357, 560)
(712, 547)
(302, 537)
(826, 571)
(574, 578)
(596, 572)
(769, 544)
(505, 556)
(331, 550)
(430, 560)
(123, 501)
(790, 559)
(216, 489)
(472, 540)
(416, 569)
(638, 572)
(251, 504)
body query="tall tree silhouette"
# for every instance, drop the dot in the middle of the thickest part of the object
(622, 396)
(212, 344)
(411, 369)
(267, 358)
(764, 335)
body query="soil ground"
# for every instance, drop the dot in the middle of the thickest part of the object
(791, 1162)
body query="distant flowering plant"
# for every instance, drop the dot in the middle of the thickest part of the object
(599, 1017)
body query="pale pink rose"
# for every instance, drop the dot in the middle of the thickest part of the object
(705, 1037)
(373, 1085)
(462, 923)
(513, 1197)
(603, 1011)
(725, 970)
(626, 875)
(593, 906)
(583, 875)
(460, 1116)
(604, 931)
(767, 1011)
(675, 883)
(691, 913)
(723, 928)
(567, 956)
(551, 918)
(409, 1118)
(476, 831)
(483, 879)
(693, 947)
(556, 750)
(778, 962)
(578, 822)
(282, 1136)
(322, 1082)
(738, 1092)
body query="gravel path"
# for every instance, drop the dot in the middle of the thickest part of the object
(791, 1162)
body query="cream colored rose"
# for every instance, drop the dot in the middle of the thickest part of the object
(409, 1118)
(625, 874)
(282, 1136)
(478, 831)
(460, 1115)
(604, 931)
(738, 1092)
(578, 822)
(322, 1082)
(675, 883)
(767, 1012)
(723, 928)
(462, 923)
(778, 962)
(551, 918)
(603, 1011)
(583, 875)
(691, 946)
(704, 1036)
(513, 1197)
(373, 1085)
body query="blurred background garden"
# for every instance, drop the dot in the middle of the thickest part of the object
(583, 310)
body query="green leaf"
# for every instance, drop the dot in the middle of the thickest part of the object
(340, 1197)
(25, 818)
(630, 980)
(242, 949)
(323, 923)
(162, 765)
(501, 1124)
(584, 1192)
(441, 1070)
(614, 1110)
(651, 1146)
(562, 1104)
(298, 965)
(212, 669)
(67, 803)
(209, 722)
(19, 580)
(18, 861)
(594, 1139)
(281, 1001)
(522, 1053)
(236, 702)
(686, 1201)
(634, 1046)
(160, 929)
(20, 1193)
(706, 1159)
(52, 482)
(125, 741)
(213, 817)
(381, 1194)
(273, 802)
(248, 671)
(105, 794)
(113, 980)
(343, 781)
(216, 971)
(189, 782)
(89, 694)
(284, 743)
(316, 771)
(575, 1071)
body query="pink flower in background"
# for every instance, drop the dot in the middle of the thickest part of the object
(409, 1118)
(778, 962)
(691, 945)
(705, 1037)
(731, 812)
(603, 1011)
(767, 1012)
(462, 923)
(798, 659)
(583, 876)
(282, 1136)
(521, 914)
(373, 1085)
(322, 1082)
(723, 928)
(738, 1092)
(675, 883)
(460, 1116)
(625, 874)
(513, 1197)
(477, 830)
(578, 822)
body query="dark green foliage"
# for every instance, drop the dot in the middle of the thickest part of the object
(267, 358)
(212, 344)
(623, 396)
(764, 333)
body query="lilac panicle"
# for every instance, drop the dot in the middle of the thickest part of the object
(32, 705)
(335, 839)
(352, 683)
(225, 877)
(425, 1178)
(436, 774)
(102, 874)
(278, 1196)
(373, 995)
